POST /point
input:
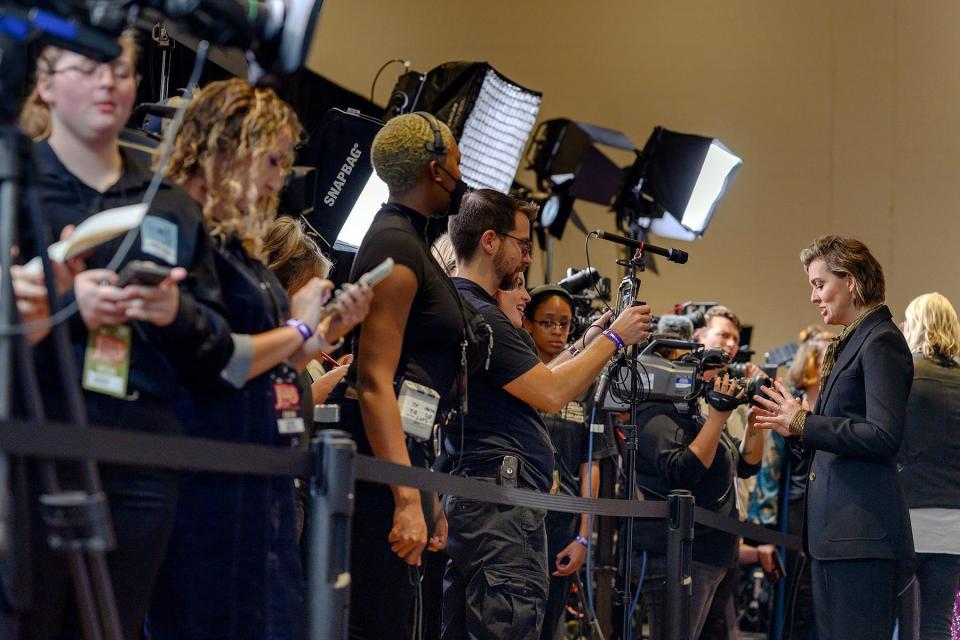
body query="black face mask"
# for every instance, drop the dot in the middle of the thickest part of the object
(456, 195)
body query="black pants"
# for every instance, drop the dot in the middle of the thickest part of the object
(561, 530)
(854, 599)
(381, 589)
(798, 607)
(495, 586)
(938, 577)
(142, 505)
(705, 580)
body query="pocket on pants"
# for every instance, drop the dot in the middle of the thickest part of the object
(513, 604)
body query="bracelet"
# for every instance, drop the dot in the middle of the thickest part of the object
(302, 328)
(798, 424)
(583, 541)
(573, 351)
(616, 339)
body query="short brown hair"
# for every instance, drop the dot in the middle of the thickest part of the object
(482, 210)
(720, 311)
(848, 256)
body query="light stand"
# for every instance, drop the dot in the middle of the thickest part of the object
(628, 298)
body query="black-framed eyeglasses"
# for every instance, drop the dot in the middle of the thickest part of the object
(547, 325)
(526, 246)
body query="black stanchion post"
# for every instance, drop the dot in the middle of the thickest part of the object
(679, 557)
(330, 513)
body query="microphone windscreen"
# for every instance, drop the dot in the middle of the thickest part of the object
(675, 327)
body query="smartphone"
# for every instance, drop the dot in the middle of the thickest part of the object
(142, 273)
(371, 278)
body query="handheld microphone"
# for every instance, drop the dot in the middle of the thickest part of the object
(673, 255)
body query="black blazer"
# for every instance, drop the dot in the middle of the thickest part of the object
(855, 502)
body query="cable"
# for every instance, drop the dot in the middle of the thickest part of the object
(628, 633)
(65, 313)
(373, 86)
(586, 251)
(590, 608)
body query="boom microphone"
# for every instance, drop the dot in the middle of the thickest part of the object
(673, 255)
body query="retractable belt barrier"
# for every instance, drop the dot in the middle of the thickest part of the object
(136, 448)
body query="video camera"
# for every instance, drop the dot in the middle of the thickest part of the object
(678, 381)
(587, 288)
(279, 33)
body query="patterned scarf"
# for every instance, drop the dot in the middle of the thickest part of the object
(836, 345)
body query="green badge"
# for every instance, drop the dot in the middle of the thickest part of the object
(106, 362)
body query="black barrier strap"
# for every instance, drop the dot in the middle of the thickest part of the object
(384, 472)
(745, 529)
(119, 446)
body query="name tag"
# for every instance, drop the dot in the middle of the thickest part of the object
(418, 409)
(158, 237)
(106, 361)
(286, 402)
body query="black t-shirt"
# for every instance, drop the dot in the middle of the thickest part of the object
(497, 423)
(570, 433)
(665, 463)
(430, 354)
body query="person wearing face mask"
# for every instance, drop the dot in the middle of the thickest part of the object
(497, 579)
(411, 339)
(168, 334)
(856, 526)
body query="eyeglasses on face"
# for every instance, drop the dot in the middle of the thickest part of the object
(547, 325)
(526, 246)
(89, 69)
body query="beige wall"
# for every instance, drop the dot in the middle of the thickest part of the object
(844, 111)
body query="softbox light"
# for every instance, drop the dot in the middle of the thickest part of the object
(490, 116)
(340, 151)
(569, 163)
(677, 182)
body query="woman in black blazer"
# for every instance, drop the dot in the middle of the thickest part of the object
(857, 528)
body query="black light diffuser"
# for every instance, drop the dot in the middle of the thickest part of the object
(346, 186)
(490, 116)
(677, 182)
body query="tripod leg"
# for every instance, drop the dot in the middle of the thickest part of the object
(14, 158)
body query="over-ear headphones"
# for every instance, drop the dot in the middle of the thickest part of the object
(436, 147)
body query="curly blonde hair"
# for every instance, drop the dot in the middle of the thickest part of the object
(228, 130)
(932, 327)
(34, 116)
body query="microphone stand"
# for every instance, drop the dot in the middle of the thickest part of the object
(628, 297)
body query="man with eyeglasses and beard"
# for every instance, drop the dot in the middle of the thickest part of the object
(496, 582)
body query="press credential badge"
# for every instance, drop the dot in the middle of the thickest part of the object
(106, 361)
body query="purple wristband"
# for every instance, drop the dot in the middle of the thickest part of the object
(616, 339)
(583, 541)
(302, 328)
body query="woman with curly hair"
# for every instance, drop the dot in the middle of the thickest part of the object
(232, 569)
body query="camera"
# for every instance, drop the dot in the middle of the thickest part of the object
(279, 32)
(660, 378)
